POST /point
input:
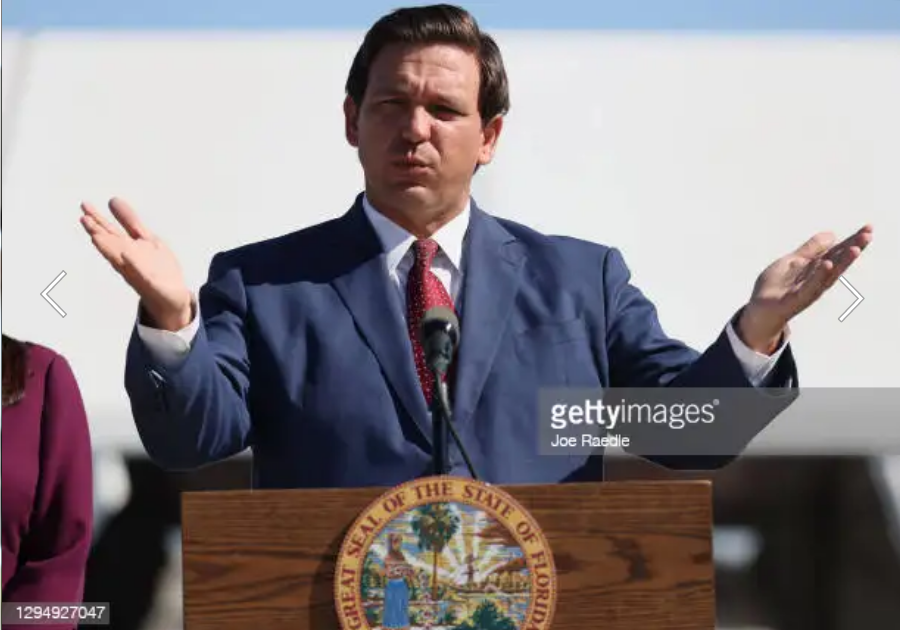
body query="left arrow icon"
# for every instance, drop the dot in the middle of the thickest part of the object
(46, 294)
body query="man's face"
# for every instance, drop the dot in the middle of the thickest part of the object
(418, 131)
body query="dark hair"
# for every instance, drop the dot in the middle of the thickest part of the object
(15, 370)
(435, 24)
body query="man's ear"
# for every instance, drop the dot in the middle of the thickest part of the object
(490, 135)
(351, 116)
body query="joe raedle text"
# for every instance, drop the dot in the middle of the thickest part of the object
(587, 440)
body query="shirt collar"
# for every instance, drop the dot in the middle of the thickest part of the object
(396, 241)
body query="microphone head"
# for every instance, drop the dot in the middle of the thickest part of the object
(440, 319)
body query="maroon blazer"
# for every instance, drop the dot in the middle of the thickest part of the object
(47, 486)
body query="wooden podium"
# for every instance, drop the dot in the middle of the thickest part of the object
(629, 555)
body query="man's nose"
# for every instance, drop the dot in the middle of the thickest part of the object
(417, 125)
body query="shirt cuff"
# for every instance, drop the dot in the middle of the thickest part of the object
(756, 365)
(167, 348)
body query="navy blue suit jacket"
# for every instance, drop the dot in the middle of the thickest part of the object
(303, 357)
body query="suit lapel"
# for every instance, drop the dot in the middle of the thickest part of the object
(493, 262)
(366, 289)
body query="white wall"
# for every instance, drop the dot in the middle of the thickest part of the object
(703, 158)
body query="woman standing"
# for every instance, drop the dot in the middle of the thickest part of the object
(47, 482)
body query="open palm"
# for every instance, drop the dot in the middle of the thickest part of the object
(143, 260)
(792, 283)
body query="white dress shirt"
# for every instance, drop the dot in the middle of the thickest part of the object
(399, 256)
(170, 348)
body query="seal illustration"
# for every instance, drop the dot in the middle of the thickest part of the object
(445, 553)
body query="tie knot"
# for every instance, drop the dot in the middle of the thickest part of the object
(425, 249)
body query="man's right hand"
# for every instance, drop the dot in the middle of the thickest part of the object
(145, 263)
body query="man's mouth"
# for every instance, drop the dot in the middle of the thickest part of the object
(412, 163)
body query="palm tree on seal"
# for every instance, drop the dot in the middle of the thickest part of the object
(435, 525)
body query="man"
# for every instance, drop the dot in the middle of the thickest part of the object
(304, 348)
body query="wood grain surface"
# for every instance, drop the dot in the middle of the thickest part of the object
(632, 555)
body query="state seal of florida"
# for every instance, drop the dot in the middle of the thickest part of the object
(445, 553)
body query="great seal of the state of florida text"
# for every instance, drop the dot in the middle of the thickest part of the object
(445, 553)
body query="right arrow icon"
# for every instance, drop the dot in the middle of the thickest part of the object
(857, 294)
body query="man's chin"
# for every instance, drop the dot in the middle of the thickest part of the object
(409, 198)
(412, 195)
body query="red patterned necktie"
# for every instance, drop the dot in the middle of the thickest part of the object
(423, 291)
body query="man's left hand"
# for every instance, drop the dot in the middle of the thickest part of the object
(792, 283)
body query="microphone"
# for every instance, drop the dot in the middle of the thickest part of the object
(440, 337)
(439, 334)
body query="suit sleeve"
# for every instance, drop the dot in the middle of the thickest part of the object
(194, 412)
(55, 550)
(642, 355)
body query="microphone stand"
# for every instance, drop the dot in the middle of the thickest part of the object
(441, 423)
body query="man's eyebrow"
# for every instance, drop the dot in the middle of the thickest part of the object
(393, 86)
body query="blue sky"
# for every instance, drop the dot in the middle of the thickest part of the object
(705, 15)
